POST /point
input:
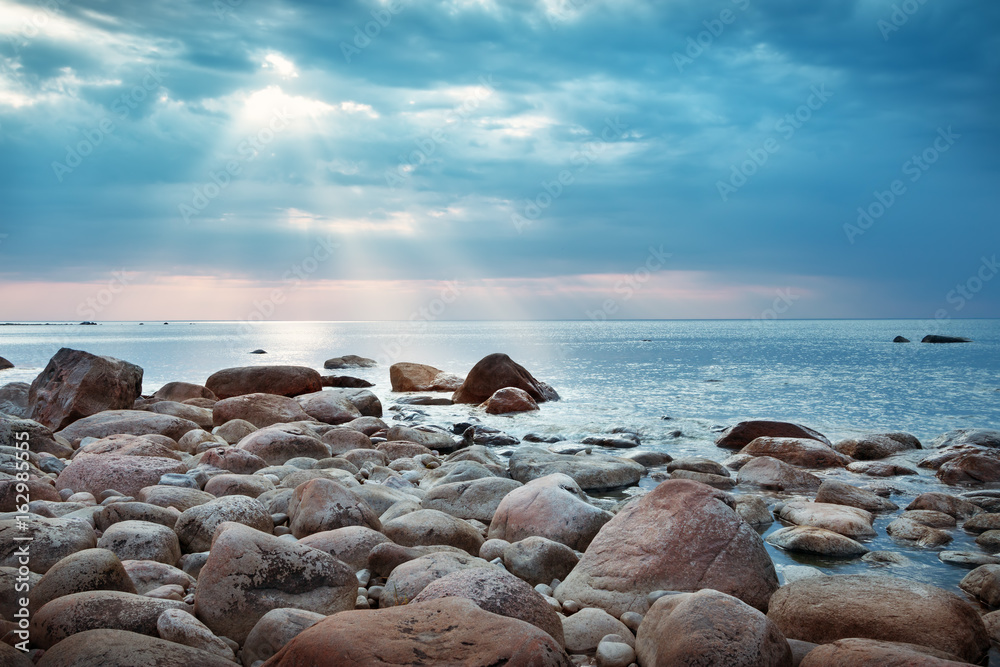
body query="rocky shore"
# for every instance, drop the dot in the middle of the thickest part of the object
(275, 516)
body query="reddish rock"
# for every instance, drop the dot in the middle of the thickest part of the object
(742, 434)
(259, 409)
(497, 371)
(509, 399)
(329, 407)
(102, 648)
(406, 376)
(200, 416)
(277, 444)
(280, 380)
(448, 631)
(802, 452)
(128, 445)
(682, 536)
(709, 628)
(36, 489)
(95, 473)
(234, 460)
(971, 468)
(351, 544)
(183, 391)
(942, 502)
(78, 384)
(873, 653)
(127, 422)
(827, 608)
(322, 504)
(431, 527)
(770, 473)
(877, 445)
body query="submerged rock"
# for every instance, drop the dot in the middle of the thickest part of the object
(819, 541)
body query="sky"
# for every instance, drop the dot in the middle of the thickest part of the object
(488, 159)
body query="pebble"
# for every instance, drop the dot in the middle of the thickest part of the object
(570, 606)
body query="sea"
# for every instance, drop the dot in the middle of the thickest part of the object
(676, 382)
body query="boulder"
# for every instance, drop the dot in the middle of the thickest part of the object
(12, 657)
(879, 469)
(141, 540)
(275, 629)
(196, 526)
(349, 361)
(474, 499)
(346, 382)
(77, 384)
(350, 544)
(451, 472)
(445, 631)
(979, 437)
(238, 485)
(148, 575)
(14, 492)
(983, 583)
(907, 530)
(87, 570)
(342, 440)
(279, 380)
(743, 433)
(554, 507)
(322, 504)
(585, 629)
(709, 628)
(682, 536)
(51, 540)
(93, 610)
(498, 592)
(103, 648)
(180, 498)
(818, 541)
(934, 338)
(900, 339)
(410, 577)
(848, 521)
(508, 400)
(942, 502)
(429, 438)
(182, 628)
(126, 474)
(200, 416)
(249, 573)
(538, 560)
(840, 493)
(429, 527)
(127, 422)
(40, 439)
(233, 459)
(971, 468)
(183, 391)
(406, 376)
(698, 464)
(277, 444)
(801, 452)
(770, 473)
(877, 445)
(233, 430)
(132, 445)
(873, 653)
(497, 371)
(329, 407)
(260, 409)
(365, 401)
(825, 609)
(592, 472)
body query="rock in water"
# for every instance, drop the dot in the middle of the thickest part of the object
(249, 573)
(592, 472)
(709, 628)
(813, 540)
(682, 536)
(78, 384)
(900, 339)
(967, 436)
(406, 376)
(931, 338)
(497, 371)
(508, 400)
(825, 609)
(742, 434)
(451, 631)
(802, 452)
(349, 361)
(4, 364)
(280, 380)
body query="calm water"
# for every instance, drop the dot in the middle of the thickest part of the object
(840, 377)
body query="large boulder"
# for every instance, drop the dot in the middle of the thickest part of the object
(77, 384)
(592, 472)
(840, 493)
(200, 416)
(51, 540)
(980, 437)
(329, 407)
(801, 452)
(280, 380)
(848, 521)
(349, 361)
(430, 438)
(409, 578)
(876, 446)
(874, 653)
(473, 499)
(446, 631)
(126, 474)
(39, 438)
(742, 434)
(430, 527)
(103, 648)
(770, 473)
(682, 536)
(983, 583)
(277, 444)
(275, 629)
(141, 540)
(553, 506)
(539, 560)
(406, 376)
(126, 422)
(322, 504)
(937, 338)
(823, 609)
(132, 445)
(971, 468)
(350, 544)
(93, 610)
(817, 541)
(183, 391)
(508, 400)
(196, 526)
(249, 573)
(259, 409)
(86, 570)
(499, 592)
(496, 371)
(709, 628)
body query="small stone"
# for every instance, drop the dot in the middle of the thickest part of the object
(632, 620)
(614, 654)
(570, 606)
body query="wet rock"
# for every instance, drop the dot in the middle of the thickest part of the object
(429, 527)
(275, 629)
(934, 338)
(770, 473)
(405, 377)
(126, 422)
(717, 481)
(77, 384)
(825, 609)
(141, 540)
(900, 339)
(409, 578)
(839, 493)
(648, 459)
(323, 504)
(879, 469)
(848, 521)
(908, 530)
(967, 558)
(979, 437)
(971, 468)
(474, 499)
(980, 523)
(554, 507)
(990, 540)
(819, 541)
(249, 573)
(877, 445)
(801, 452)
(585, 629)
(682, 536)
(51, 540)
(509, 400)
(181, 627)
(622, 441)
(743, 433)
(709, 628)
(983, 583)
(259, 409)
(698, 464)
(197, 525)
(346, 382)
(591, 472)
(445, 631)
(497, 371)
(753, 510)
(930, 518)
(349, 361)
(278, 444)
(942, 502)
(538, 560)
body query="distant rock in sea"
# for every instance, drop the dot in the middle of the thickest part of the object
(259, 352)
(4, 364)
(88, 324)
(932, 338)
(900, 339)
